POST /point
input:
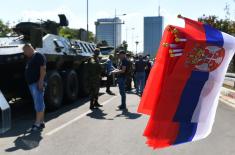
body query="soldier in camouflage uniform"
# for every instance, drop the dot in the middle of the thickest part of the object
(94, 78)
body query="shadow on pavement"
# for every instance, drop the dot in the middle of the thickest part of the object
(98, 114)
(28, 141)
(128, 115)
(24, 118)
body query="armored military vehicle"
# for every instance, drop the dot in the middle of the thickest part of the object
(66, 70)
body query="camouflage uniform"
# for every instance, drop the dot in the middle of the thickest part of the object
(94, 70)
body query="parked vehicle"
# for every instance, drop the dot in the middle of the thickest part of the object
(66, 63)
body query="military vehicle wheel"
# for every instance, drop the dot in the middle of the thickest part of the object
(71, 85)
(54, 90)
(83, 82)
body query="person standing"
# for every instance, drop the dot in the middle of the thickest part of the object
(133, 76)
(95, 70)
(35, 73)
(109, 69)
(140, 66)
(148, 68)
(122, 76)
(129, 73)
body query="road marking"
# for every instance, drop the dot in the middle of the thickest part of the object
(75, 119)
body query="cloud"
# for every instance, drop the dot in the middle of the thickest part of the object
(133, 20)
(171, 18)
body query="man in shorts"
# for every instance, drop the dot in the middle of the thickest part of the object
(35, 73)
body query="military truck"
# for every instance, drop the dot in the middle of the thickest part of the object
(66, 69)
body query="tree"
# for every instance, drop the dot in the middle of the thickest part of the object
(91, 37)
(225, 25)
(76, 34)
(4, 29)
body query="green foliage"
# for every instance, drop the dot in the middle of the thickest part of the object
(225, 25)
(4, 29)
(91, 37)
(69, 33)
(75, 34)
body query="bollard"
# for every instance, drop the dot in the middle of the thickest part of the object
(5, 114)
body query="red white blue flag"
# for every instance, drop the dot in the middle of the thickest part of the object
(182, 92)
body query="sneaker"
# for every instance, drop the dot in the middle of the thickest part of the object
(36, 128)
(42, 125)
(98, 105)
(93, 107)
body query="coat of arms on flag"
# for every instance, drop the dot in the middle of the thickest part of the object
(182, 92)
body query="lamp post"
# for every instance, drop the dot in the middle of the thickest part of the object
(114, 27)
(87, 30)
(132, 41)
(136, 46)
(126, 33)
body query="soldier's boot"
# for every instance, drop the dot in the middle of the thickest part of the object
(96, 104)
(92, 104)
(109, 92)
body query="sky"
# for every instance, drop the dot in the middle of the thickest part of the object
(75, 10)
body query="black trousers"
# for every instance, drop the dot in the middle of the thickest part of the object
(109, 82)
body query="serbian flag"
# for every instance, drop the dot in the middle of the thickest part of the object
(182, 92)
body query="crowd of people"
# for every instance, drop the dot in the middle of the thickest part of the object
(126, 70)
(138, 72)
(131, 71)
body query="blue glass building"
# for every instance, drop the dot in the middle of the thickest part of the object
(153, 29)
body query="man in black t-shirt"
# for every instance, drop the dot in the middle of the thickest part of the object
(140, 66)
(35, 73)
(122, 75)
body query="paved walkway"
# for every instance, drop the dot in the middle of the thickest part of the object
(75, 130)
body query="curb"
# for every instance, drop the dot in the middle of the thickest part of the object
(226, 102)
(227, 96)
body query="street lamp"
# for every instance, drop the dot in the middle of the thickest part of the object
(136, 46)
(114, 29)
(132, 41)
(87, 30)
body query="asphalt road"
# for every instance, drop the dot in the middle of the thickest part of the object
(74, 129)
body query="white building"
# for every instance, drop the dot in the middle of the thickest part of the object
(110, 30)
